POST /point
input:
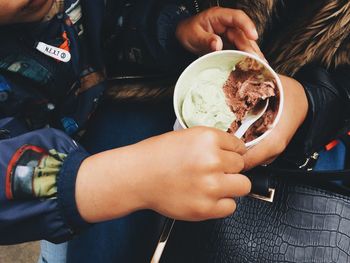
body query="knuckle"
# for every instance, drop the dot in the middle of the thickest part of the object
(209, 136)
(239, 145)
(240, 13)
(201, 211)
(215, 9)
(211, 185)
(212, 162)
(239, 164)
(207, 13)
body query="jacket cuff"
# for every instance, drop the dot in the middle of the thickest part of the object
(324, 112)
(66, 191)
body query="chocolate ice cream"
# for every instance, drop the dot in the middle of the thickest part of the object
(249, 83)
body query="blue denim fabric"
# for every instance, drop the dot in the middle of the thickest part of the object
(52, 253)
(134, 237)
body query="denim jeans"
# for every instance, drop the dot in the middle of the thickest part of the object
(52, 253)
(134, 237)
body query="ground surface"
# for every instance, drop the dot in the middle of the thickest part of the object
(25, 253)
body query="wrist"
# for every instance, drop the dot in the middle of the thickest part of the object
(295, 97)
(301, 100)
(110, 185)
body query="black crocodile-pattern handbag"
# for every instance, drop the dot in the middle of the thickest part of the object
(304, 223)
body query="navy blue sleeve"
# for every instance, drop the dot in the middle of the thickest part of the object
(37, 187)
(170, 15)
(140, 37)
(328, 94)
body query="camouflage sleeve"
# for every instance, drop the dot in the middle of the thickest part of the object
(37, 187)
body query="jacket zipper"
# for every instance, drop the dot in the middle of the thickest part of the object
(196, 6)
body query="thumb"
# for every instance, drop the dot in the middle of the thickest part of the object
(216, 43)
(209, 42)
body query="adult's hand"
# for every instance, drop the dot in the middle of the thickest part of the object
(293, 114)
(203, 32)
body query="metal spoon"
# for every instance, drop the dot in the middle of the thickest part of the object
(252, 116)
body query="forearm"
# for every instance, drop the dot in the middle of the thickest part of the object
(170, 174)
(110, 184)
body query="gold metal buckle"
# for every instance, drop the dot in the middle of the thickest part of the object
(268, 198)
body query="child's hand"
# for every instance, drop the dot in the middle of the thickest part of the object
(23, 11)
(190, 174)
(195, 173)
(203, 33)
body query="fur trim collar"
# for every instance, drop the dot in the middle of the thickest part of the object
(317, 32)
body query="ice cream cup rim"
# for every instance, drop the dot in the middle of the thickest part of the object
(222, 52)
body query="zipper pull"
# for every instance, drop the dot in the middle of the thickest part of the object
(54, 52)
(310, 162)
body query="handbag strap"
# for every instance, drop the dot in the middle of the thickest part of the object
(333, 175)
(261, 177)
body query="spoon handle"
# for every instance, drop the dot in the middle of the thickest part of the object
(252, 117)
(242, 130)
(168, 226)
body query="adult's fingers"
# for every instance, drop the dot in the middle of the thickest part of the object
(216, 43)
(239, 39)
(233, 18)
(257, 49)
(206, 42)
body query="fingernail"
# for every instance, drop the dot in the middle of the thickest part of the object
(214, 45)
(255, 33)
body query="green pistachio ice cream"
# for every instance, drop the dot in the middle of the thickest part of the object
(205, 102)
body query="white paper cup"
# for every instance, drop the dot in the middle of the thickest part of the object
(225, 59)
